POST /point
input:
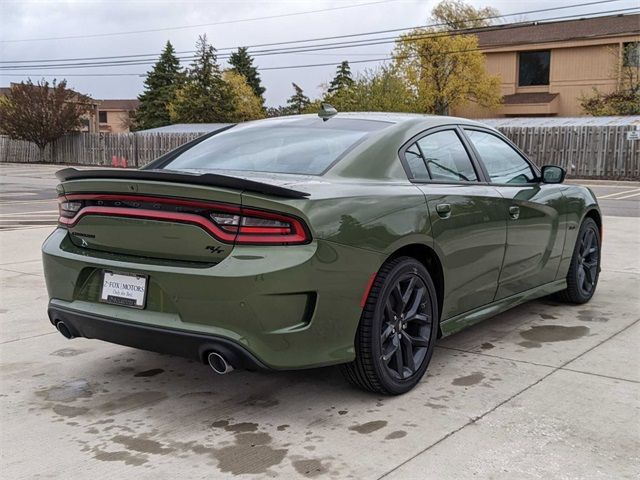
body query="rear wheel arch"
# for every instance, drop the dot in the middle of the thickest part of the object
(429, 258)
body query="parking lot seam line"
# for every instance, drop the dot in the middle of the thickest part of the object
(539, 364)
(27, 338)
(482, 354)
(493, 409)
(601, 375)
(18, 271)
(20, 262)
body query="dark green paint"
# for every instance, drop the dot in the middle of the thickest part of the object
(299, 306)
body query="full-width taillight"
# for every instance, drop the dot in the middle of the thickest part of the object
(227, 223)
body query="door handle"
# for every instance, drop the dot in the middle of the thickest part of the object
(444, 210)
(514, 212)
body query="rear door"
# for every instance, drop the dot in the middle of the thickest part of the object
(467, 220)
(534, 237)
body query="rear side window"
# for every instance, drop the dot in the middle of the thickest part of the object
(446, 157)
(416, 163)
(297, 145)
(502, 162)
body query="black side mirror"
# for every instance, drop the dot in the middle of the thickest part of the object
(553, 174)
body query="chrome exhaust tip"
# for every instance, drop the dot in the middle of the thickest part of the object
(218, 363)
(64, 330)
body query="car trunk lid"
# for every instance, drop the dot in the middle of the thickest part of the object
(167, 215)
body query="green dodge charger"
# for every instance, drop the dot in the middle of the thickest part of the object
(340, 238)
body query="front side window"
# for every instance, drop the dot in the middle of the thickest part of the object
(502, 162)
(446, 157)
(533, 68)
(102, 116)
(287, 145)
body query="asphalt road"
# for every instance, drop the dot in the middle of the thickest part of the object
(27, 196)
(542, 391)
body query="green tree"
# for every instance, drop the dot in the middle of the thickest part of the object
(342, 79)
(160, 88)
(625, 99)
(455, 14)
(41, 113)
(381, 90)
(204, 97)
(246, 104)
(241, 62)
(298, 102)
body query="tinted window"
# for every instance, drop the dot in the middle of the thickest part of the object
(503, 163)
(288, 145)
(446, 157)
(415, 163)
(102, 117)
(534, 68)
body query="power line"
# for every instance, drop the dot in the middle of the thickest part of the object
(184, 27)
(313, 48)
(335, 37)
(288, 67)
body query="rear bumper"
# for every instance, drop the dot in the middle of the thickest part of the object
(155, 339)
(289, 307)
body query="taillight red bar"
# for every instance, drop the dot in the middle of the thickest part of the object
(296, 233)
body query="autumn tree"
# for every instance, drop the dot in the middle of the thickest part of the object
(455, 14)
(160, 87)
(42, 113)
(380, 90)
(204, 97)
(246, 104)
(242, 63)
(298, 102)
(446, 69)
(343, 79)
(625, 99)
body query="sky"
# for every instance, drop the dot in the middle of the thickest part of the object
(31, 30)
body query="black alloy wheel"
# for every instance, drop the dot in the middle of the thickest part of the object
(406, 326)
(397, 331)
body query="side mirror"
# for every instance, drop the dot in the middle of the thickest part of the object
(553, 174)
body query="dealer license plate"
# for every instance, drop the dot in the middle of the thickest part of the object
(125, 289)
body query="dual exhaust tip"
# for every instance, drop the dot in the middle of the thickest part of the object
(64, 330)
(219, 364)
(216, 361)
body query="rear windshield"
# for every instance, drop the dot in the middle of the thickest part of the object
(301, 146)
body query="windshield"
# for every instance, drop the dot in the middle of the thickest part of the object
(301, 146)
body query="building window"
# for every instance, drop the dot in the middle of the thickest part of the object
(534, 68)
(102, 117)
(631, 54)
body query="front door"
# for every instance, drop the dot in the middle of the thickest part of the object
(535, 238)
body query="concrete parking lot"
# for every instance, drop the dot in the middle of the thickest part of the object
(543, 391)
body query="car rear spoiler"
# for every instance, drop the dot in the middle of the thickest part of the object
(207, 179)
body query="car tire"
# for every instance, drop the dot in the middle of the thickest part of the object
(397, 330)
(584, 269)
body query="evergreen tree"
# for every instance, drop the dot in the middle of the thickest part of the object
(205, 97)
(343, 78)
(159, 91)
(241, 62)
(298, 101)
